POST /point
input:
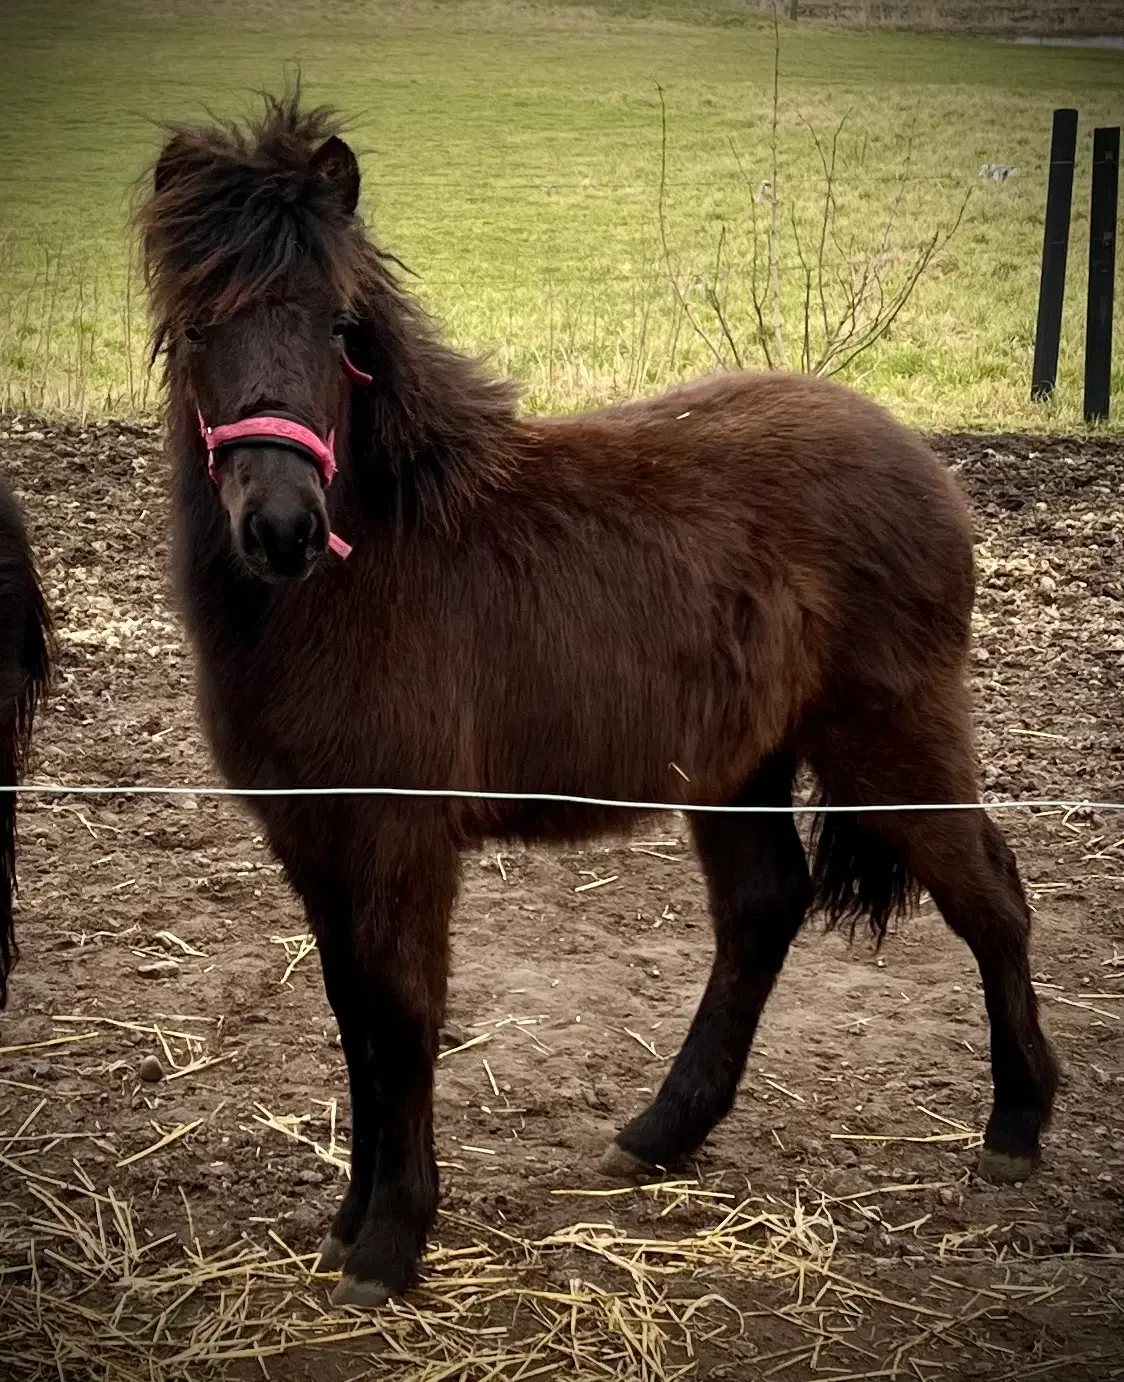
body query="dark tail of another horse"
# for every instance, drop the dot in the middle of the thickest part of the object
(27, 648)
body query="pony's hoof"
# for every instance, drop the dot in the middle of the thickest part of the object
(364, 1295)
(1005, 1168)
(621, 1164)
(333, 1254)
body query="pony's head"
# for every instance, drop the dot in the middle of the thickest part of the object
(258, 271)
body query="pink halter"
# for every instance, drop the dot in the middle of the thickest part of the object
(267, 426)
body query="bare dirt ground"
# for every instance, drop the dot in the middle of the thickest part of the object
(835, 1229)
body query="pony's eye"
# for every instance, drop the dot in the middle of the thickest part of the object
(193, 336)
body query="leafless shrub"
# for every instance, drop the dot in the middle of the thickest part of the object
(851, 292)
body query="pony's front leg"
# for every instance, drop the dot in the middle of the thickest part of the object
(346, 997)
(330, 915)
(386, 982)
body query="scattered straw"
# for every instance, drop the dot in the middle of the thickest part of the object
(85, 1295)
(290, 1125)
(124, 1026)
(23, 1127)
(297, 948)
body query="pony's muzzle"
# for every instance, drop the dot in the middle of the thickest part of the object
(285, 542)
(277, 513)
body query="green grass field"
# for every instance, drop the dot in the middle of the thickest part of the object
(512, 157)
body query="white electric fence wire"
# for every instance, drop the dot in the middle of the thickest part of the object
(49, 789)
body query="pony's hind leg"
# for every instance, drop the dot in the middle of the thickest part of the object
(759, 886)
(924, 754)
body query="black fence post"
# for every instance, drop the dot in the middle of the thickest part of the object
(1102, 269)
(1055, 251)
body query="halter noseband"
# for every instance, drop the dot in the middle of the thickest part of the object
(271, 427)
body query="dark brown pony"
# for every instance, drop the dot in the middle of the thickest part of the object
(26, 655)
(682, 599)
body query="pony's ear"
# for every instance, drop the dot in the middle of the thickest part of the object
(171, 160)
(334, 162)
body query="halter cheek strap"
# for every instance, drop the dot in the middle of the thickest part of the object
(270, 427)
(354, 373)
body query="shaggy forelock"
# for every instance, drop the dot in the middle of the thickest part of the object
(235, 211)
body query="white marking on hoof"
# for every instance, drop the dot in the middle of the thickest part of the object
(364, 1295)
(333, 1254)
(1001, 1168)
(621, 1164)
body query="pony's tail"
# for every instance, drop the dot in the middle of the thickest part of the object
(857, 874)
(35, 652)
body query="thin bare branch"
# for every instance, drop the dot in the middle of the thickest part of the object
(903, 179)
(672, 276)
(932, 247)
(806, 269)
(757, 295)
(830, 210)
(710, 292)
(774, 200)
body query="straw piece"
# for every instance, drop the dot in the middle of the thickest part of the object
(165, 1141)
(597, 883)
(973, 1139)
(23, 1127)
(183, 945)
(647, 1045)
(45, 1045)
(465, 1045)
(196, 1066)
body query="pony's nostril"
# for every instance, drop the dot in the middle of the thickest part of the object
(317, 537)
(303, 527)
(252, 540)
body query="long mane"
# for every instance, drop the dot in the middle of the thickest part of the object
(233, 212)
